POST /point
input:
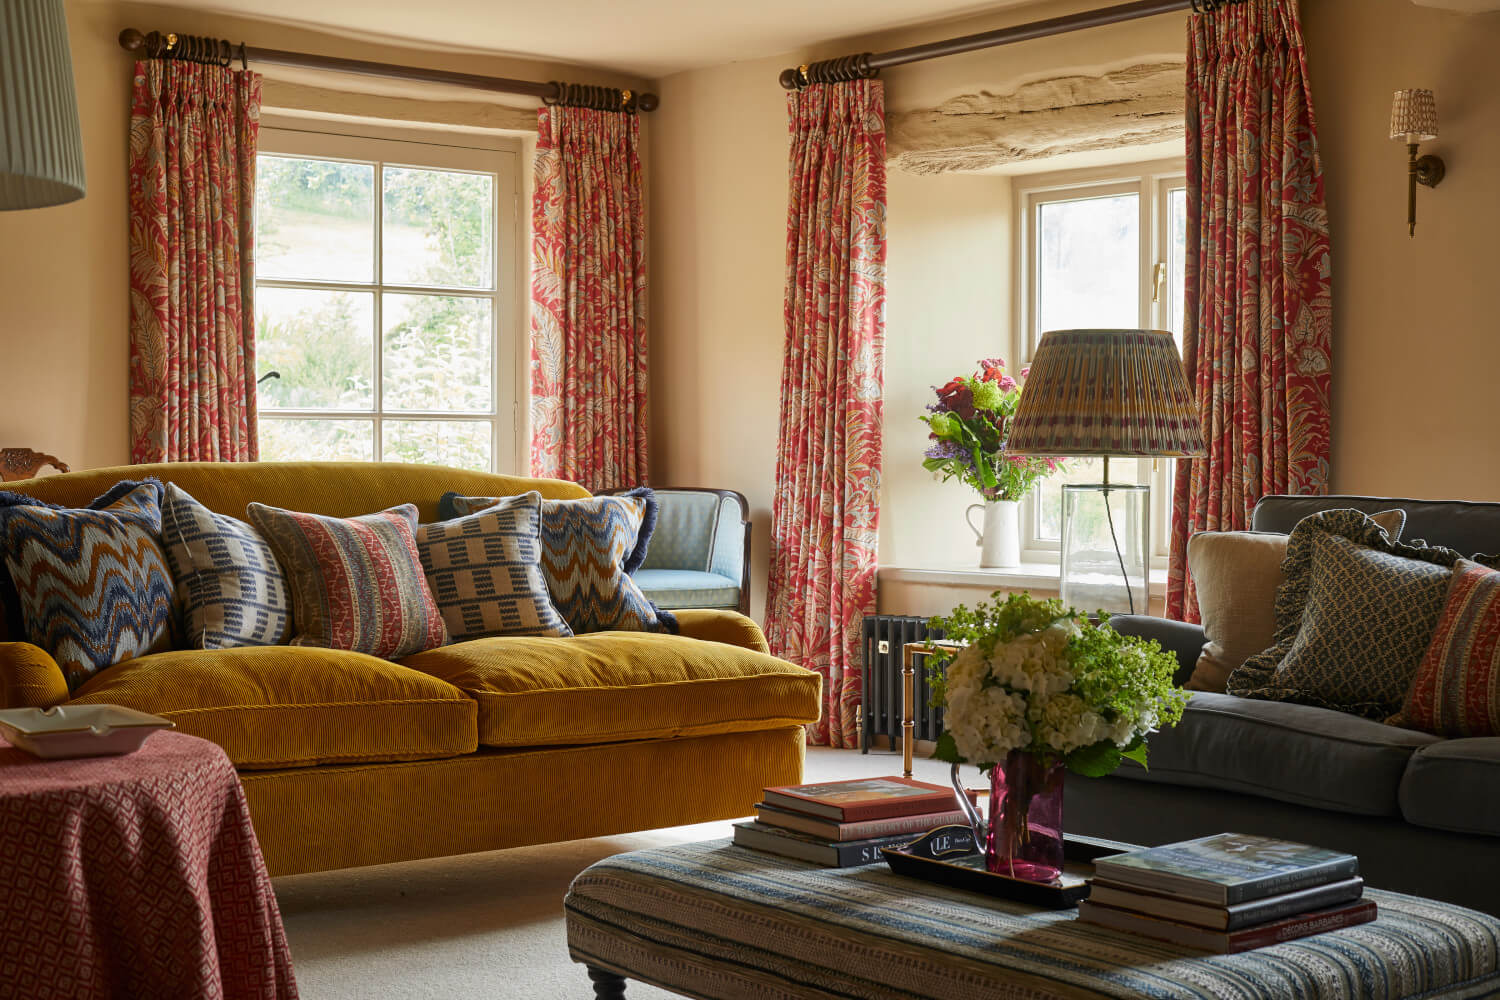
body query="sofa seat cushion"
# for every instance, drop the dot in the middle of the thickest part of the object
(279, 706)
(1295, 753)
(1454, 785)
(686, 588)
(610, 686)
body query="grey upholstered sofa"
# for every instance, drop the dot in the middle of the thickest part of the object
(1422, 813)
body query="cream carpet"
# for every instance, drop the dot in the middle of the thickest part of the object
(481, 925)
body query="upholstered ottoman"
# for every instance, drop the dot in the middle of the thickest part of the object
(717, 921)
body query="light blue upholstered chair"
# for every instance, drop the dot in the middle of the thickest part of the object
(699, 555)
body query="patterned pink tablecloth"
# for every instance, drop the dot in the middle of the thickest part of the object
(135, 876)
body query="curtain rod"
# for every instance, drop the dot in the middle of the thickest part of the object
(196, 48)
(867, 64)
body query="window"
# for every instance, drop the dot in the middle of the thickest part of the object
(385, 298)
(1100, 249)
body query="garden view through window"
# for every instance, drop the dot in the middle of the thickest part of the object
(380, 303)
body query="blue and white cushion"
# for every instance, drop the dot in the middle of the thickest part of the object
(485, 571)
(229, 585)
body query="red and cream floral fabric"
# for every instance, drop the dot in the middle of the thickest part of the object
(1258, 328)
(825, 513)
(588, 300)
(193, 133)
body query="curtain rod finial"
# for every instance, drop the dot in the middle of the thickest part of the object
(790, 79)
(647, 101)
(131, 39)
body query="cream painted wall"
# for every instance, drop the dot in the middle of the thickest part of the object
(64, 271)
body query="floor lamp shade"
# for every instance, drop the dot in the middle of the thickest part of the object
(41, 152)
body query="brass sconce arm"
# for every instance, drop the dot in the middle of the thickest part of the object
(1426, 170)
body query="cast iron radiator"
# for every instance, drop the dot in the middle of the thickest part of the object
(884, 637)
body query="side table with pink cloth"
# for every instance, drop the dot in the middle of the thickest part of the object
(135, 876)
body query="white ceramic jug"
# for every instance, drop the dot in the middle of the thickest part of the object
(1000, 541)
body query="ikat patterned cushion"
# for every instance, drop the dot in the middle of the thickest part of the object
(357, 582)
(231, 589)
(92, 585)
(589, 549)
(1353, 619)
(1456, 691)
(485, 571)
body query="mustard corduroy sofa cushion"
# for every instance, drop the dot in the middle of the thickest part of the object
(609, 686)
(275, 706)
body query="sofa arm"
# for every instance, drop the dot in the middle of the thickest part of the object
(721, 625)
(1183, 640)
(30, 677)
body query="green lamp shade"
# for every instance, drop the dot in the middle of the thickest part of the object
(41, 152)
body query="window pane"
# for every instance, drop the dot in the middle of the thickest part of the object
(437, 353)
(464, 444)
(439, 228)
(283, 439)
(1078, 470)
(322, 343)
(1177, 259)
(314, 219)
(1088, 266)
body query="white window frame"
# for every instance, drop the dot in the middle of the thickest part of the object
(498, 156)
(1151, 181)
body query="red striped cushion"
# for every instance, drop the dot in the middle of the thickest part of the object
(357, 582)
(1456, 691)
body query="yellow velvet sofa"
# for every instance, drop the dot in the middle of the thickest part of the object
(351, 760)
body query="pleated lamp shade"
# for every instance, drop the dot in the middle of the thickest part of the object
(1106, 392)
(41, 153)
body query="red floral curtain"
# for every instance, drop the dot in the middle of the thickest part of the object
(193, 132)
(825, 513)
(588, 300)
(1258, 338)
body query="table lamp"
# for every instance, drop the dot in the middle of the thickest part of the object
(41, 154)
(1106, 393)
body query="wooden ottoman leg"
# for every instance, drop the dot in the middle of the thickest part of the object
(607, 985)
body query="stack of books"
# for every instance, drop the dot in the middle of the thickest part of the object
(839, 824)
(1227, 893)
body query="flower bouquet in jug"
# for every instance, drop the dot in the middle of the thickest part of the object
(1034, 690)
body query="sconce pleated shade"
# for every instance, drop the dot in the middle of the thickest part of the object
(1106, 392)
(41, 153)
(1414, 116)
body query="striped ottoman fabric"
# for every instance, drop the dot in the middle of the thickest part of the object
(725, 923)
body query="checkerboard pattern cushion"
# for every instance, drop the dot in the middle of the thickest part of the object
(93, 587)
(485, 571)
(1456, 692)
(589, 549)
(357, 582)
(1353, 619)
(229, 585)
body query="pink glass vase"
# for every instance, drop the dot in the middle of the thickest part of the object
(1026, 806)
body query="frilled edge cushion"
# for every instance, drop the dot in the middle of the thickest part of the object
(1346, 687)
(610, 686)
(1294, 753)
(1455, 785)
(279, 706)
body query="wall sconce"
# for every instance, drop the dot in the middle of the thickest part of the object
(1414, 120)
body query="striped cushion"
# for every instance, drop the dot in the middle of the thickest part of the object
(589, 549)
(1456, 691)
(232, 590)
(93, 585)
(356, 582)
(485, 571)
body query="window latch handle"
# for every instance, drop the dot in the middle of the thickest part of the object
(1158, 275)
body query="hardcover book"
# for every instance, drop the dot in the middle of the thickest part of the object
(829, 829)
(791, 844)
(1233, 916)
(863, 798)
(1227, 868)
(1228, 942)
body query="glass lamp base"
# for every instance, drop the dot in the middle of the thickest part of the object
(1106, 547)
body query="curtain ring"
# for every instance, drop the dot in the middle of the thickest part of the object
(244, 62)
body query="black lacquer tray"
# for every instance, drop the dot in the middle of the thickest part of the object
(935, 858)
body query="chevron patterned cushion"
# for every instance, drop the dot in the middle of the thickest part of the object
(356, 582)
(1353, 619)
(589, 549)
(92, 585)
(231, 589)
(1456, 692)
(485, 571)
